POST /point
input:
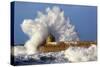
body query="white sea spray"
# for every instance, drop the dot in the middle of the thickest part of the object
(78, 54)
(51, 21)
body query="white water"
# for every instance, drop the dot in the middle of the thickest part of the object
(78, 54)
(53, 21)
(72, 54)
(37, 33)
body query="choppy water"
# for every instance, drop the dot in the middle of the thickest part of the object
(72, 54)
(40, 58)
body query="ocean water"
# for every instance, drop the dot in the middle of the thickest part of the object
(40, 58)
(72, 54)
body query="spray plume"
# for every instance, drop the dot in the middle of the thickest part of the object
(52, 21)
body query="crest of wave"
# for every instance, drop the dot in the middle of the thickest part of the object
(51, 21)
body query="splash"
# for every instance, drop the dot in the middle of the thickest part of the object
(37, 33)
(78, 54)
(58, 25)
(18, 50)
(51, 21)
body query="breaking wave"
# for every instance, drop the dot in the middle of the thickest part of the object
(53, 21)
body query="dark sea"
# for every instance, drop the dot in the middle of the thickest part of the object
(43, 58)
